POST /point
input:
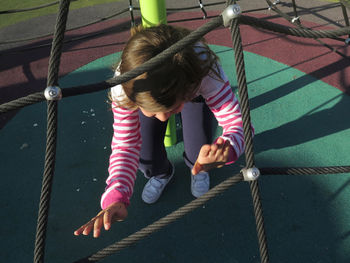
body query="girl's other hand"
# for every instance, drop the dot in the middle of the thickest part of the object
(212, 156)
(114, 212)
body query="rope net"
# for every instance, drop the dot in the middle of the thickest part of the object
(52, 109)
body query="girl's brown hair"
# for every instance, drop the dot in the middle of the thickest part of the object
(175, 81)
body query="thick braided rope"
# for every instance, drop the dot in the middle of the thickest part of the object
(57, 43)
(298, 32)
(44, 204)
(304, 170)
(51, 139)
(132, 239)
(22, 102)
(249, 153)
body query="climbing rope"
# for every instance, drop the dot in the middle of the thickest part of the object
(51, 136)
(304, 170)
(248, 136)
(53, 93)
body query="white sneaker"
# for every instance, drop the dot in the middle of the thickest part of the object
(199, 184)
(154, 188)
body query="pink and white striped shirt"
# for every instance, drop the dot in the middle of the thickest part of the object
(126, 142)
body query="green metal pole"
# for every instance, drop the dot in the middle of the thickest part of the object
(153, 13)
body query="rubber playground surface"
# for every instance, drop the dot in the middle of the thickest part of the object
(300, 110)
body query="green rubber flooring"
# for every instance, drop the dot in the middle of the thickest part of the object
(299, 121)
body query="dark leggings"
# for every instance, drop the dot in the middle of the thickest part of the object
(197, 122)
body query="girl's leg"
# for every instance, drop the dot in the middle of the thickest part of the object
(197, 127)
(153, 156)
(197, 130)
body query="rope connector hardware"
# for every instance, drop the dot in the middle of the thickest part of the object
(274, 3)
(231, 12)
(53, 93)
(295, 19)
(347, 41)
(250, 174)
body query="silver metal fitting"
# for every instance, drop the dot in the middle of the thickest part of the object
(295, 19)
(250, 174)
(53, 93)
(131, 8)
(347, 41)
(274, 3)
(231, 12)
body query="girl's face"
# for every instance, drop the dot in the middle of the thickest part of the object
(163, 116)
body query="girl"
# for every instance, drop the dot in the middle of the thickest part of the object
(191, 82)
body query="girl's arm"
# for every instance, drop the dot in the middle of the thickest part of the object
(226, 110)
(225, 107)
(126, 144)
(124, 159)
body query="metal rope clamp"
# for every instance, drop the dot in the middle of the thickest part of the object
(230, 12)
(250, 174)
(53, 93)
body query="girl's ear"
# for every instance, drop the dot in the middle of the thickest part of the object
(135, 29)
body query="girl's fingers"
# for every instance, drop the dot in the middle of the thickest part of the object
(97, 226)
(220, 140)
(212, 152)
(219, 152)
(211, 156)
(87, 228)
(107, 219)
(79, 230)
(204, 150)
(197, 167)
(103, 219)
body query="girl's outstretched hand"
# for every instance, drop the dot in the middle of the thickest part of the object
(114, 212)
(212, 156)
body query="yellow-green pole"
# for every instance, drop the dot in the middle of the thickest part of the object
(153, 13)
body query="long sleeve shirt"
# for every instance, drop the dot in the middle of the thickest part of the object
(126, 142)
